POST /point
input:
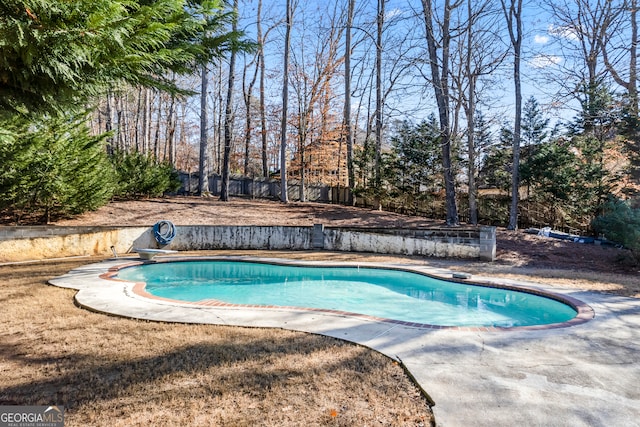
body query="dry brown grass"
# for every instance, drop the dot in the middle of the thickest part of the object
(120, 372)
(626, 285)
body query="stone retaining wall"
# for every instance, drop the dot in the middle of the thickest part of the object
(29, 243)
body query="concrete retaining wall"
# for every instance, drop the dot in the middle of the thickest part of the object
(436, 243)
(241, 237)
(28, 243)
(31, 243)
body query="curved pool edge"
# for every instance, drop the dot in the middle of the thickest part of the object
(545, 377)
(584, 312)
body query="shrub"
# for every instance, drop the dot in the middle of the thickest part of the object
(52, 167)
(140, 175)
(621, 224)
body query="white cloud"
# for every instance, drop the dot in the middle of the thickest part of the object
(393, 13)
(544, 61)
(563, 31)
(540, 39)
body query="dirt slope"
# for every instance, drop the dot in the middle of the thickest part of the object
(517, 249)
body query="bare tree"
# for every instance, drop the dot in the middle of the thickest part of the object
(170, 133)
(146, 120)
(513, 16)
(439, 66)
(247, 90)
(382, 55)
(347, 103)
(379, 103)
(479, 55)
(284, 196)
(156, 134)
(108, 127)
(219, 118)
(203, 166)
(228, 116)
(620, 52)
(136, 137)
(471, 112)
(311, 82)
(263, 114)
(580, 28)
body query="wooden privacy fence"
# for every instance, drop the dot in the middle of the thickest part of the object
(493, 209)
(265, 188)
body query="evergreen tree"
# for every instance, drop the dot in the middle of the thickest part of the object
(600, 114)
(418, 155)
(56, 54)
(620, 222)
(56, 57)
(140, 175)
(52, 167)
(363, 158)
(594, 132)
(413, 169)
(495, 169)
(534, 132)
(534, 124)
(483, 142)
(553, 173)
(483, 135)
(569, 176)
(631, 132)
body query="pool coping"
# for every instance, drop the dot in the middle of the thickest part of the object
(584, 312)
(580, 376)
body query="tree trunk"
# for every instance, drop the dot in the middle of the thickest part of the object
(473, 190)
(220, 114)
(439, 75)
(284, 196)
(302, 138)
(171, 131)
(203, 177)
(633, 93)
(228, 118)
(378, 118)
(120, 130)
(156, 138)
(248, 96)
(136, 128)
(263, 112)
(347, 105)
(514, 23)
(633, 62)
(108, 125)
(146, 122)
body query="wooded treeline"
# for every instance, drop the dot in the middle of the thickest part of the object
(397, 101)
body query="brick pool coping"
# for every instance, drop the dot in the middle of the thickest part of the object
(583, 310)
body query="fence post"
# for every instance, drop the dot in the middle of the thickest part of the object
(317, 238)
(488, 244)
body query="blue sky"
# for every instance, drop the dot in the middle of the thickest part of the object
(540, 55)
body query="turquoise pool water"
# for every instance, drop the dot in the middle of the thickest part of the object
(384, 293)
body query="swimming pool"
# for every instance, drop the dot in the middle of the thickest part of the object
(390, 294)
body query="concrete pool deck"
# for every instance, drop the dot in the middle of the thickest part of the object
(583, 375)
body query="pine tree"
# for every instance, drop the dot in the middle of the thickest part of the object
(141, 175)
(56, 54)
(495, 170)
(534, 125)
(56, 57)
(414, 167)
(52, 168)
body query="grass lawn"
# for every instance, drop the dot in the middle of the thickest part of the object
(110, 371)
